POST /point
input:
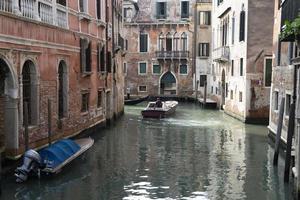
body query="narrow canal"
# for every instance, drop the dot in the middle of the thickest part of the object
(196, 154)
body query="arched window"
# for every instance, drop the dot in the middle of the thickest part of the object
(161, 42)
(62, 90)
(30, 96)
(184, 41)
(169, 42)
(176, 41)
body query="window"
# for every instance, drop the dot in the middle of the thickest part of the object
(231, 94)
(287, 104)
(219, 1)
(276, 100)
(241, 67)
(242, 26)
(30, 96)
(85, 55)
(85, 101)
(143, 42)
(203, 80)
(232, 67)
(240, 96)
(142, 68)
(126, 45)
(233, 30)
(183, 69)
(156, 69)
(161, 10)
(142, 88)
(175, 40)
(108, 60)
(212, 89)
(203, 49)
(216, 90)
(83, 6)
(268, 72)
(169, 42)
(61, 2)
(99, 99)
(98, 4)
(204, 18)
(102, 58)
(184, 9)
(184, 41)
(226, 90)
(125, 68)
(62, 90)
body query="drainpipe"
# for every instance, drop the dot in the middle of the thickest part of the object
(195, 50)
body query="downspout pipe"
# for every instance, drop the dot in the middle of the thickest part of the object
(195, 51)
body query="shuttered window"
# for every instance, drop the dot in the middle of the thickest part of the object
(241, 67)
(242, 26)
(184, 9)
(268, 72)
(85, 55)
(203, 49)
(202, 80)
(161, 10)
(143, 42)
(204, 18)
(183, 69)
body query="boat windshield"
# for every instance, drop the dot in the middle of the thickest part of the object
(151, 105)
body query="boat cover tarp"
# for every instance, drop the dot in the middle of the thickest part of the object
(58, 152)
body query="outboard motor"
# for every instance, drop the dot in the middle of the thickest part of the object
(31, 164)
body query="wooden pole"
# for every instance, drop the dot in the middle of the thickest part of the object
(278, 132)
(49, 122)
(289, 143)
(26, 125)
(205, 93)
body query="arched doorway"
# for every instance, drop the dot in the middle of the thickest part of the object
(168, 84)
(223, 89)
(30, 93)
(8, 108)
(62, 90)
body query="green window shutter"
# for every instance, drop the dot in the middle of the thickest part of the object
(183, 69)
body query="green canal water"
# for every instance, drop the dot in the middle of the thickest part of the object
(195, 154)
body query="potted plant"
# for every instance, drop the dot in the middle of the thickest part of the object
(291, 31)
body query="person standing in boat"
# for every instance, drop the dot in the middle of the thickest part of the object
(158, 103)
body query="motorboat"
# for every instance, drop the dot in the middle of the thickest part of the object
(154, 110)
(51, 159)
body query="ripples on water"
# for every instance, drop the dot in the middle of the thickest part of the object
(195, 154)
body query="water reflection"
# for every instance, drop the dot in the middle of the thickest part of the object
(196, 154)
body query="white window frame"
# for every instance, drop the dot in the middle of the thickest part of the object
(148, 43)
(153, 68)
(142, 91)
(143, 74)
(265, 61)
(187, 70)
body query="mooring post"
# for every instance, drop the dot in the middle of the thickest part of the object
(289, 143)
(278, 132)
(205, 93)
(26, 125)
(49, 121)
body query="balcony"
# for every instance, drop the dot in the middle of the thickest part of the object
(221, 54)
(172, 55)
(39, 10)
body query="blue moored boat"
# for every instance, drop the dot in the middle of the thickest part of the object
(52, 158)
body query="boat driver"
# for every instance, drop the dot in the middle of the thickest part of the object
(158, 103)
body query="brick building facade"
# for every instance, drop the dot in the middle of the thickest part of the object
(65, 51)
(160, 47)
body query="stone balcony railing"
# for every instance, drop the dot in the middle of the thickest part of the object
(172, 55)
(221, 54)
(47, 11)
